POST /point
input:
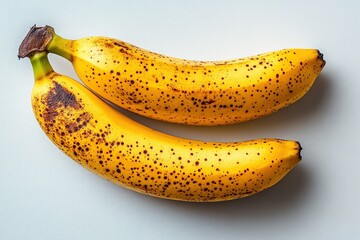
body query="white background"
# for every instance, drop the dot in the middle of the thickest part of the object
(45, 195)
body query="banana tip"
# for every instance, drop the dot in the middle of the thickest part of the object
(299, 148)
(321, 57)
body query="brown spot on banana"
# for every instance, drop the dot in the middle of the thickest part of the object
(122, 45)
(60, 99)
(175, 89)
(81, 122)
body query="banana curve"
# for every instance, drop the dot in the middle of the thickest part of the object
(139, 158)
(189, 92)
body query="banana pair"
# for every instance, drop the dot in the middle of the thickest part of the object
(175, 90)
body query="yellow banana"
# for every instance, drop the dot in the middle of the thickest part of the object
(127, 153)
(183, 91)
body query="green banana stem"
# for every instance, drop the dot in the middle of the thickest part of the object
(41, 65)
(60, 46)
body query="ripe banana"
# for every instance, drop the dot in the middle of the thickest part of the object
(183, 91)
(127, 153)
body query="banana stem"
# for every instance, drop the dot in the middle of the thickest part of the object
(60, 46)
(41, 65)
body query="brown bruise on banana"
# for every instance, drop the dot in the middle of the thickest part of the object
(191, 91)
(184, 170)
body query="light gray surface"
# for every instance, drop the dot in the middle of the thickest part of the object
(45, 195)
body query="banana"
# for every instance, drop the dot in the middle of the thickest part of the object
(136, 157)
(183, 91)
